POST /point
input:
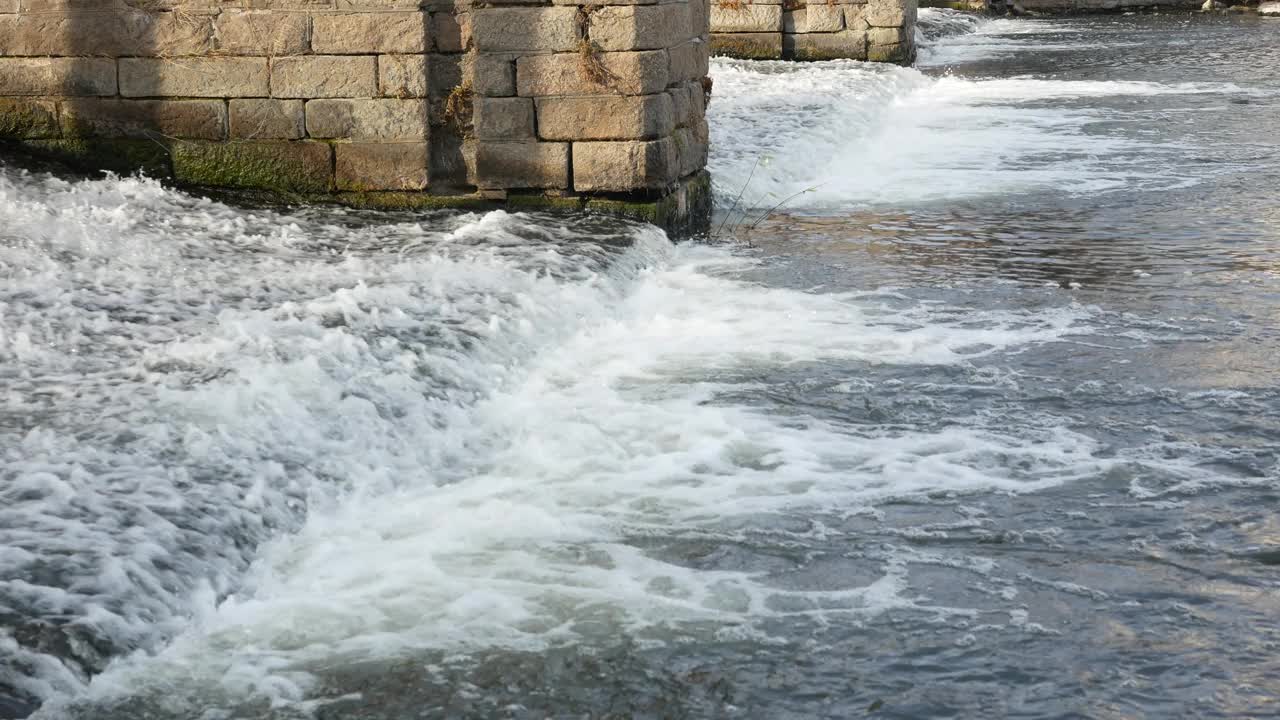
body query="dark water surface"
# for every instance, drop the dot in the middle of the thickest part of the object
(984, 423)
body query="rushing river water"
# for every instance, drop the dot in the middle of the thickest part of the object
(985, 422)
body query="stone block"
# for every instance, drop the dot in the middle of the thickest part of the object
(512, 165)
(453, 161)
(452, 31)
(624, 166)
(25, 118)
(279, 165)
(403, 76)
(692, 145)
(855, 17)
(638, 27)
(261, 33)
(900, 53)
(548, 29)
(115, 117)
(195, 77)
(748, 46)
(370, 33)
(813, 19)
(746, 19)
(267, 120)
(375, 119)
(504, 118)
(681, 110)
(57, 76)
(493, 75)
(846, 45)
(64, 30)
(363, 167)
(888, 13)
(886, 36)
(626, 73)
(690, 61)
(606, 117)
(324, 76)
(699, 18)
(9, 6)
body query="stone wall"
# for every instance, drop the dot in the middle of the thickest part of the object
(372, 102)
(877, 30)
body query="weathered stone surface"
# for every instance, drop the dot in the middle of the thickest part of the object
(699, 18)
(363, 167)
(403, 76)
(453, 161)
(886, 36)
(692, 145)
(855, 17)
(324, 76)
(279, 165)
(376, 119)
(849, 44)
(813, 19)
(57, 76)
(624, 166)
(748, 46)
(494, 75)
(195, 77)
(898, 53)
(28, 118)
(889, 13)
(261, 33)
(626, 73)
(681, 110)
(510, 165)
(638, 27)
(452, 31)
(9, 6)
(689, 61)
(371, 32)
(267, 119)
(115, 117)
(540, 28)
(504, 118)
(63, 30)
(746, 18)
(606, 117)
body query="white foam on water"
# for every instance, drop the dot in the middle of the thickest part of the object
(279, 442)
(843, 134)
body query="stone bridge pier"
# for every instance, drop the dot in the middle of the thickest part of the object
(405, 103)
(876, 30)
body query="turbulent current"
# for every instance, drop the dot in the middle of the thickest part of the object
(983, 420)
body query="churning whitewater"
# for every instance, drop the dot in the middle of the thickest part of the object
(982, 421)
(350, 440)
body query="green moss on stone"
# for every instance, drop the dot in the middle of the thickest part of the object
(21, 118)
(279, 166)
(115, 154)
(683, 213)
(898, 53)
(409, 201)
(538, 201)
(745, 47)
